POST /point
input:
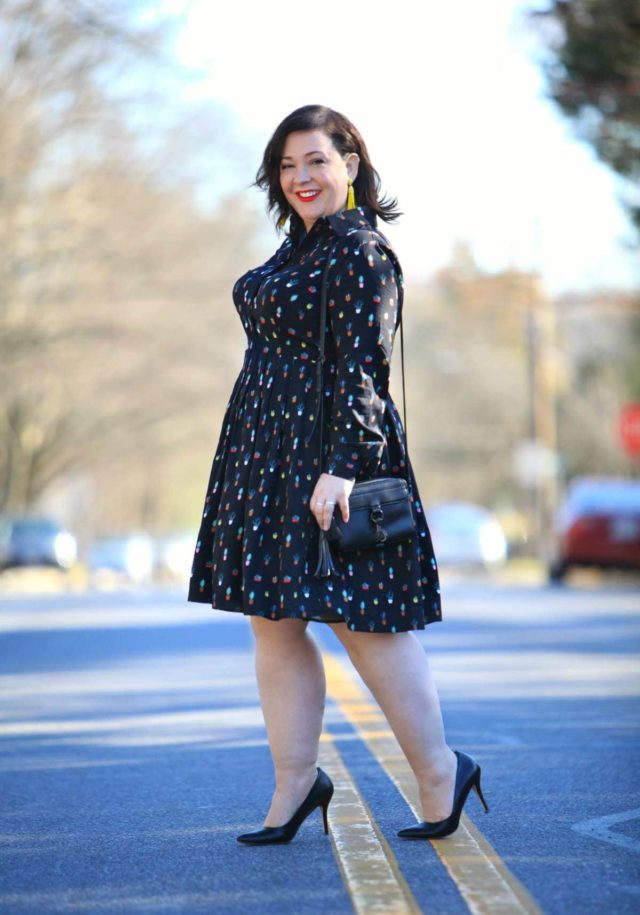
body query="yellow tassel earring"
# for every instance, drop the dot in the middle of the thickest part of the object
(351, 197)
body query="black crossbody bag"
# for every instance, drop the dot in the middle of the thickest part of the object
(379, 509)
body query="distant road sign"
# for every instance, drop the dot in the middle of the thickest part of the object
(629, 429)
(533, 462)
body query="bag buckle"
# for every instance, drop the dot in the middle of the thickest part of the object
(377, 514)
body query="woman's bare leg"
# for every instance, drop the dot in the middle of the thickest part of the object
(396, 670)
(292, 688)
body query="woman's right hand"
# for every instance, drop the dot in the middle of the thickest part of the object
(330, 491)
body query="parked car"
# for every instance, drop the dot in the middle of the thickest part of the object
(174, 557)
(466, 534)
(598, 524)
(128, 558)
(36, 541)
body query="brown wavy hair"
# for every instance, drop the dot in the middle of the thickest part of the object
(346, 138)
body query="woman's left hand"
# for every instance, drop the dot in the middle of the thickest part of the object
(330, 491)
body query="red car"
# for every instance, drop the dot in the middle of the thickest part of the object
(598, 525)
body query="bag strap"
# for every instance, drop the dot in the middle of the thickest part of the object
(321, 358)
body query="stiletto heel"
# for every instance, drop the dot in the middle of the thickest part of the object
(325, 810)
(478, 791)
(467, 777)
(319, 795)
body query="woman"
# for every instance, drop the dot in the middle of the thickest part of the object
(269, 494)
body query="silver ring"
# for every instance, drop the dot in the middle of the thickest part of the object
(329, 503)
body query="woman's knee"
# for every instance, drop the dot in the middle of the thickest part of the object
(282, 630)
(359, 643)
(347, 637)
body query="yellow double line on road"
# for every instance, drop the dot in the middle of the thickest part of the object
(369, 867)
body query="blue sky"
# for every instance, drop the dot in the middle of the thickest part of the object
(450, 103)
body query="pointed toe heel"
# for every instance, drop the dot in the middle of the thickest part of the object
(319, 795)
(467, 777)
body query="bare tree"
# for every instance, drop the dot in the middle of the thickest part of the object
(114, 281)
(592, 67)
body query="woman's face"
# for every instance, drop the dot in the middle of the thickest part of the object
(314, 176)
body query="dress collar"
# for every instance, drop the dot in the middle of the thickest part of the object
(342, 222)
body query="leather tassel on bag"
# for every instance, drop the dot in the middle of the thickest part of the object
(325, 566)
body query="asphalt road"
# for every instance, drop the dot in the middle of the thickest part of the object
(132, 751)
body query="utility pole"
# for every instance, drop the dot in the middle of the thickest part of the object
(539, 453)
(547, 422)
(531, 347)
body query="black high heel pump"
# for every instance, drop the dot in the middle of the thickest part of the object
(319, 796)
(467, 777)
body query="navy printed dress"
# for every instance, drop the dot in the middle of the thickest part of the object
(257, 547)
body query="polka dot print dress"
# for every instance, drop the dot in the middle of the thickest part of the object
(257, 547)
